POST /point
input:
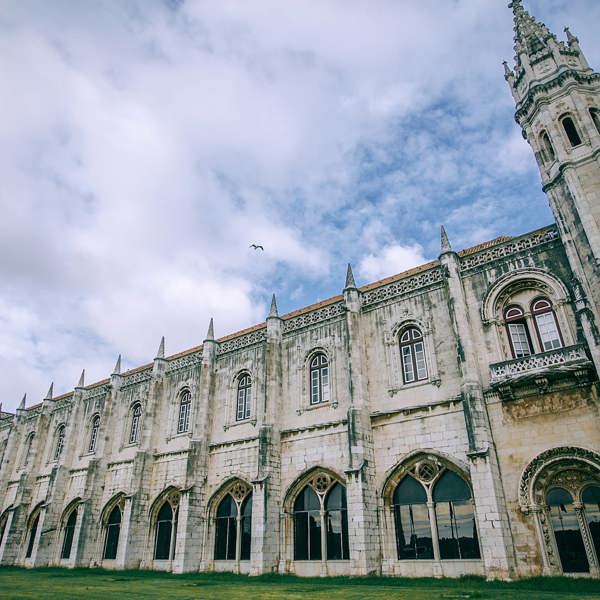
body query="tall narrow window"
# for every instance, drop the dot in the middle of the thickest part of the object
(307, 525)
(60, 442)
(412, 350)
(336, 521)
(136, 416)
(545, 321)
(591, 502)
(113, 529)
(185, 406)
(457, 532)
(413, 530)
(27, 450)
(517, 331)
(94, 434)
(244, 395)
(69, 531)
(567, 533)
(595, 114)
(233, 531)
(547, 148)
(571, 131)
(32, 534)
(319, 379)
(3, 522)
(165, 532)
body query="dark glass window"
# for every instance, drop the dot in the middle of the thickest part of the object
(412, 350)
(60, 442)
(94, 433)
(547, 148)
(27, 450)
(244, 395)
(595, 114)
(545, 322)
(136, 416)
(457, 531)
(246, 525)
(307, 526)
(68, 535)
(165, 532)
(319, 379)
(3, 522)
(591, 502)
(571, 131)
(113, 528)
(518, 332)
(32, 534)
(225, 535)
(336, 520)
(569, 540)
(185, 406)
(413, 529)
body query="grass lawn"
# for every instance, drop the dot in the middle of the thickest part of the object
(48, 584)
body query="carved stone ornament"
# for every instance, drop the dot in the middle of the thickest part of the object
(239, 491)
(321, 482)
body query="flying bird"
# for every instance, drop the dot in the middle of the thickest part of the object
(257, 247)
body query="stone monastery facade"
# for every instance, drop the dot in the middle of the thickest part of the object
(440, 422)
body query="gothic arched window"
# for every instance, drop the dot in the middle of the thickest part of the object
(567, 533)
(94, 433)
(244, 395)
(518, 333)
(321, 521)
(3, 523)
(136, 417)
(413, 530)
(590, 498)
(113, 529)
(33, 527)
(545, 322)
(547, 148)
(319, 379)
(27, 450)
(68, 532)
(185, 407)
(571, 131)
(412, 351)
(165, 531)
(59, 442)
(457, 532)
(595, 114)
(233, 527)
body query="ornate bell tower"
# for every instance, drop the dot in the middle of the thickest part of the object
(557, 98)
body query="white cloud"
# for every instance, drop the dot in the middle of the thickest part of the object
(390, 259)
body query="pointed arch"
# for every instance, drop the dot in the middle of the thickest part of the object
(111, 518)
(33, 521)
(164, 517)
(301, 480)
(68, 523)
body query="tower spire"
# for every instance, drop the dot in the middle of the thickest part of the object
(117, 369)
(350, 283)
(531, 36)
(50, 392)
(273, 312)
(81, 383)
(210, 334)
(445, 242)
(161, 348)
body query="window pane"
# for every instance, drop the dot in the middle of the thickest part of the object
(571, 131)
(457, 530)
(420, 360)
(163, 540)
(407, 365)
(246, 524)
(337, 535)
(301, 536)
(520, 342)
(112, 541)
(571, 550)
(221, 537)
(314, 394)
(451, 487)
(548, 331)
(32, 534)
(325, 384)
(410, 491)
(591, 499)
(68, 535)
(413, 532)
(314, 533)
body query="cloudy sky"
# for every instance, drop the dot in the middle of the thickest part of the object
(145, 144)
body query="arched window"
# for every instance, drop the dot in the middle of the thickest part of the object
(60, 441)
(136, 417)
(94, 433)
(319, 379)
(321, 521)
(571, 131)
(567, 533)
(244, 395)
(457, 532)
(165, 531)
(547, 148)
(185, 406)
(113, 529)
(545, 322)
(68, 532)
(35, 521)
(591, 502)
(412, 350)
(518, 333)
(413, 530)
(595, 114)
(233, 527)
(27, 450)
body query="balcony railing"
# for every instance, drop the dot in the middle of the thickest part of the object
(562, 360)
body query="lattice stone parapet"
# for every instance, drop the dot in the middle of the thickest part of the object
(185, 362)
(316, 316)
(537, 238)
(568, 359)
(139, 377)
(242, 341)
(402, 286)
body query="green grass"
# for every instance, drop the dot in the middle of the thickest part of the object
(48, 584)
